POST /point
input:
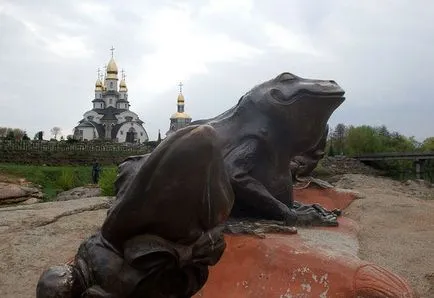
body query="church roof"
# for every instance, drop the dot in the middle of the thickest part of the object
(85, 124)
(109, 116)
(109, 113)
(99, 128)
(98, 100)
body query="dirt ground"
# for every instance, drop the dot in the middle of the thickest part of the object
(396, 227)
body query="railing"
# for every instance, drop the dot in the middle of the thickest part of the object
(8, 145)
(395, 156)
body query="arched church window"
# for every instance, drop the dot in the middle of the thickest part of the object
(111, 84)
(111, 101)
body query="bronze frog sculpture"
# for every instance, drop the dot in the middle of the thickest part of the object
(163, 230)
(270, 125)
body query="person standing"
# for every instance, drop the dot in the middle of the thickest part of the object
(96, 169)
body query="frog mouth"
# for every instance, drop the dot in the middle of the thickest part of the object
(280, 98)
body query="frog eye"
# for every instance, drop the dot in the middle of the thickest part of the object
(286, 76)
(277, 94)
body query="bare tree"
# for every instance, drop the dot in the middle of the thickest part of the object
(3, 131)
(11, 133)
(18, 133)
(55, 131)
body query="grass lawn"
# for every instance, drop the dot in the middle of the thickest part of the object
(53, 179)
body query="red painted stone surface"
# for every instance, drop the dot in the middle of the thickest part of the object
(286, 266)
(328, 198)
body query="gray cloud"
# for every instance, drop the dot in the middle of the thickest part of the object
(380, 52)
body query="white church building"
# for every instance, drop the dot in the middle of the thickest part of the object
(110, 117)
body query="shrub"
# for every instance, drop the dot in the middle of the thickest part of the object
(107, 181)
(66, 179)
(320, 171)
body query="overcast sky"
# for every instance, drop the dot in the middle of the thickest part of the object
(380, 51)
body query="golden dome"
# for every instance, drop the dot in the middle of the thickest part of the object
(179, 115)
(123, 85)
(112, 67)
(181, 98)
(98, 85)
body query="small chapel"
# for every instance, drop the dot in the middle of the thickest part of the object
(179, 119)
(110, 117)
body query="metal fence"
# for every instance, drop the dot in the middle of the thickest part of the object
(10, 145)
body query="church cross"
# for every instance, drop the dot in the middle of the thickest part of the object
(123, 74)
(112, 50)
(99, 73)
(180, 87)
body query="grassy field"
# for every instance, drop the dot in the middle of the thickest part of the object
(53, 179)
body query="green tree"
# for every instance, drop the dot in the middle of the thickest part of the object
(363, 139)
(10, 135)
(339, 136)
(331, 151)
(25, 137)
(428, 144)
(38, 136)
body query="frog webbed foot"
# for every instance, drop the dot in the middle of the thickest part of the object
(58, 281)
(315, 215)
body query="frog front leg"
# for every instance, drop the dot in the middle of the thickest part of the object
(252, 198)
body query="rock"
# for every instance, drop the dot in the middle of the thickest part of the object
(354, 193)
(31, 201)
(307, 264)
(315, 262)
(10, 201)
(11, 193)
(32, 191)
(288, 266)
(33, 237)
(78, 193)
(339, 165)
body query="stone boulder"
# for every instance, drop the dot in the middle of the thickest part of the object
(315, 262)
(79, 193)
(11, 193)
(340, 165)
(34, 237)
